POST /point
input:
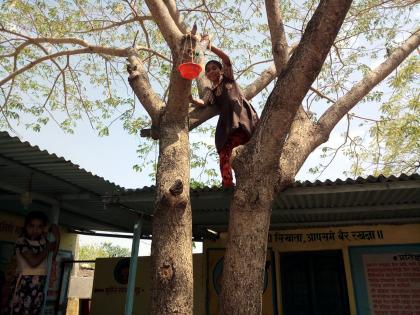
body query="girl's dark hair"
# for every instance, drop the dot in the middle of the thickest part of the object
(35, 215)
(217, 63)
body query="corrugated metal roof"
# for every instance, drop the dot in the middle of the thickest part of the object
(371, 200)
(54, 178)
(93, 203)
(69, 175)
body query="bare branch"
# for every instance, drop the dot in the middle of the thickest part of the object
(240, 73)
(92, 49)
(336, 150)
(51, 90)
(76, 41)
(78, 84)
(322, 95)
(40, 40)
(165, 22)
(113, 24)
(201, 114)
(278, 36)
(141, 86)
(146, 35)
(345, 103)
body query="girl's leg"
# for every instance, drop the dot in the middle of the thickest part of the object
(238, 137)
(225, 168)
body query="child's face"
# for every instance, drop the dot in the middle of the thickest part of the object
(213, 73)
(35, 229)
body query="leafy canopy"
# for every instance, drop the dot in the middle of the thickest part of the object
(92, 85)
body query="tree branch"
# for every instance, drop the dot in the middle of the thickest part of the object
(265, 78)
(322, 95)
(301, 71)
(297, 148)
(345, 103)
(241, 72)
(76, 41)
(97, 49)
(90, 49)
(173, 11)
(113, 24)
(141, 86)
(278, 36)
(201, 114)
(298, 145)
(165, 22)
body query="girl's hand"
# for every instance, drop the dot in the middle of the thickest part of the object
(206, 40)
(197, 102)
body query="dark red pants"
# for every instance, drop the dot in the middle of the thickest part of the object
(237, 138)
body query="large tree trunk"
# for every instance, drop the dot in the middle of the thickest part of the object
(172, 278)
(256, 164)
(243, 268)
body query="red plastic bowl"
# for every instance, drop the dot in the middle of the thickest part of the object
(189, 70)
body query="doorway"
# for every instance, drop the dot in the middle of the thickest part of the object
(314, 283)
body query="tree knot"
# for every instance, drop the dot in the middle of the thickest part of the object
(133, 74)
(166, 272)
(177, 188)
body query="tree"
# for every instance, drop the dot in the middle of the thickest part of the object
(394, 146)
(312, 84)
(104, 250)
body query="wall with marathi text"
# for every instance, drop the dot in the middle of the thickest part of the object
(382, 264)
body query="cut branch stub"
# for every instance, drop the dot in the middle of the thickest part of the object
(166, 272)
(150, 133)
(177, 188)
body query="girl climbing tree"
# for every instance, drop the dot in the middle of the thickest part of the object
(237, 119)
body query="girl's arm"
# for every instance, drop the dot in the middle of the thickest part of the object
(225, 58)
(227, 65)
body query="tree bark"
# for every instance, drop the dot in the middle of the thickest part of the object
(172, 277)
(250, 209)
(277, 34)
(172, 273)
